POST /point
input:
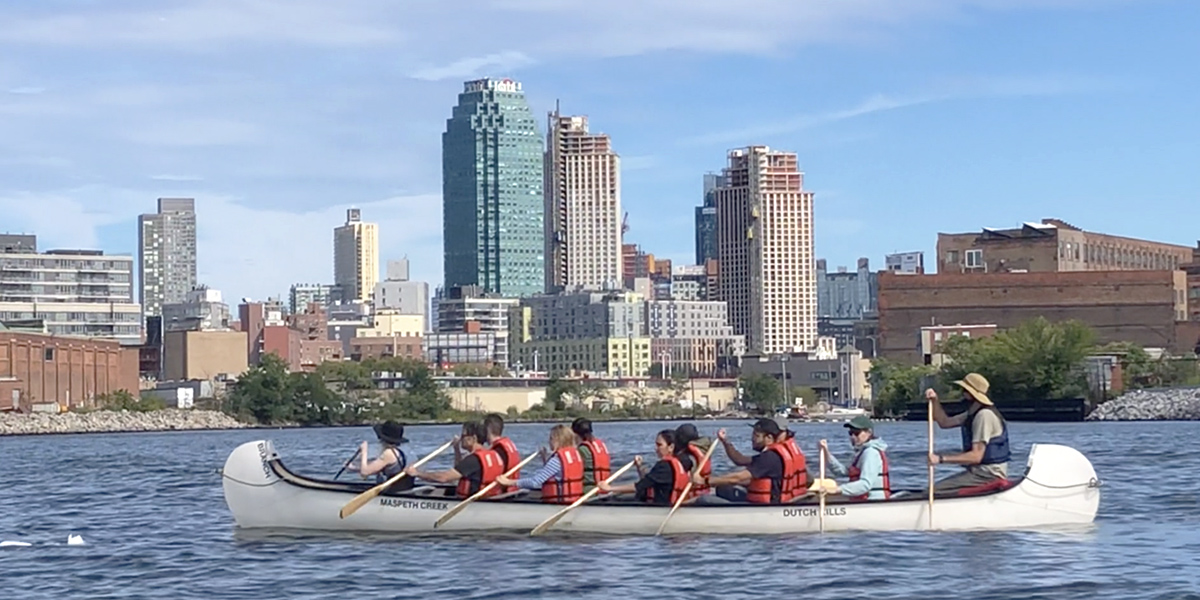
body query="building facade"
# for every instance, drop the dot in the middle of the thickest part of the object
(41, 369)
(203, 355)
(492, 197)
(765, 244)
(582, 208)
(70, 292)
(398, 294)
(302, 294)
(471, 310)
(583, 332)
(844, 294)
(356, 257)
(905, 262)
(167, 254)
(1192, 270)
(706, 220)
(693, 337)
(1050, 246)
(203, 310)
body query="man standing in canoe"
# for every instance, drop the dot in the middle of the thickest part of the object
(985, 451)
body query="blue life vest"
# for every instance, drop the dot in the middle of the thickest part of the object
(996, 452)
(393, 469)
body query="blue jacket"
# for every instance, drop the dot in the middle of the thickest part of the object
(870, 462)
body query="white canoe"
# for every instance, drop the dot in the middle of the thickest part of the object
(1059, 488)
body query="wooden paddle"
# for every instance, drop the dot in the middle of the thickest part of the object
(688, 488)
(477, 495)
(929, 404)
(341, 470)
(358, 501)
(822, 491)
(548, 523)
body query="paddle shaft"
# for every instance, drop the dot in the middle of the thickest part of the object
(930, 419)
(341, 470)
(687, 488)
(548, 523)
(358, 501)
(822, 491)
(477, 495)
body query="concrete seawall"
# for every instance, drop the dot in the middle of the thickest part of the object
(115, 421)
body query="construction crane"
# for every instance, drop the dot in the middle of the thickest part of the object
(625, 223)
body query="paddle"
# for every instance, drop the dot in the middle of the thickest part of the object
(484, 490)
(548, 523)
(822, 491)
(930, 419)
(341, 470)
(688, 488)
(358, 501)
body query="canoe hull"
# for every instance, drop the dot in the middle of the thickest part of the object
(1060, 488)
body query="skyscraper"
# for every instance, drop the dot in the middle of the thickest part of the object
(356, 257)
(583, 207)
(166, 254)
(765, 227)
(492, 201)
(706, 220)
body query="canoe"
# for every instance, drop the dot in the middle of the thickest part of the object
(1058, 488)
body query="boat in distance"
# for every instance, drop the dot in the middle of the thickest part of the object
(1059, 487)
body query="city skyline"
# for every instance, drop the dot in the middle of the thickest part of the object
(906, 118)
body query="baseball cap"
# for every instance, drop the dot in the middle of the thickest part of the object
(861, 423)
(782, 422)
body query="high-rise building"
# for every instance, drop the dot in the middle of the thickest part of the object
(396, 293)
(302, 294)
(844, 294)
(706, 220)
(583, 207)
(492, 200)
(167, 254)
(356, 257)
(765, 241)
(471, 310)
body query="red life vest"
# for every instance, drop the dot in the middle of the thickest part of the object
(855, 472)
(570, 487)
(511, 458)
(601, 462)
(697, 456)
(493, 467)
(679, 482)
(797, 479)
(762, 490)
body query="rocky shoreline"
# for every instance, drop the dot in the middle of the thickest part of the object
(1178, 404)
(115, 421)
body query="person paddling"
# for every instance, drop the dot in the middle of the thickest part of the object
(868, 471)
(597, 464)
(985, 449)
(479, 467)
(502, 445)
(691, 452)
(663, 483)
(561, 478)
(763, 480)
(391, 460)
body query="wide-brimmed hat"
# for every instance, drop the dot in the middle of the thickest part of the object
(391, 432)
(977, 386)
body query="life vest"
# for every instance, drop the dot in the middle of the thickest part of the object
(678, 483)
(766, 490)
(569, 487)
(492, 467)
(996, 452)
(393, 469)
(601, 462)
(510, 457)
(705, 471)
(854, 471)
(796, 481)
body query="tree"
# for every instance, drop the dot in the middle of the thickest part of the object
(762, 391)
(896, 386)
(806, 395)
(1035, 360)
(263, 393)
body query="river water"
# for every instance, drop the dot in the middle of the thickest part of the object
(151, 511)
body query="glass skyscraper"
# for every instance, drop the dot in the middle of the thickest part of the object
(706, 219)
(492, 202)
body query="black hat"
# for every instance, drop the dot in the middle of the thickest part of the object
(767, 426)
(391, 432)
(687, 433)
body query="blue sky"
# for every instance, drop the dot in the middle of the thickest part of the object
(910, 116)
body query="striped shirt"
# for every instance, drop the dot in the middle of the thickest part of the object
(552, 468)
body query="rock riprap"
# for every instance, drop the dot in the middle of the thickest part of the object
(1180, 404)
(113, 421)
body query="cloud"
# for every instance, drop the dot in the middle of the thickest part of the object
(503, 62)
(27, 90)
(176, 178)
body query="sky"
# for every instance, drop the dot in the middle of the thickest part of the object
(909, 117)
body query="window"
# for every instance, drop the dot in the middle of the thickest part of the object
(974, 259)
(48, 354)
(952, 256)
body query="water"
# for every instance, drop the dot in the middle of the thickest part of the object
(151, 510)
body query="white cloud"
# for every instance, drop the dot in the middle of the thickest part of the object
(27, 90)
(474, 66)
(168, 177)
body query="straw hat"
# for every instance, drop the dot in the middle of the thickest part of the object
(977, 386)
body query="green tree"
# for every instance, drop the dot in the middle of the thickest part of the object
(762, 391)
(263, 393)
(1035, 360)
(896, 386)
(806, 395)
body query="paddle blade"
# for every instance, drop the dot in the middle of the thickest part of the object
(548, 523)
(358, 502)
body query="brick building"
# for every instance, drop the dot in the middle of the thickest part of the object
(385, 346)
(1143, 307)
(38, 368)
(1052, 245)
(1193, 282)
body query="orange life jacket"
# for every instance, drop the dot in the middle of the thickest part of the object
(601, 462)
(855, 472)
(569, 487)
(697, 456)
(763, 489)
(511, 458)
(679, 482)
(797, 480)
(493, 467)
